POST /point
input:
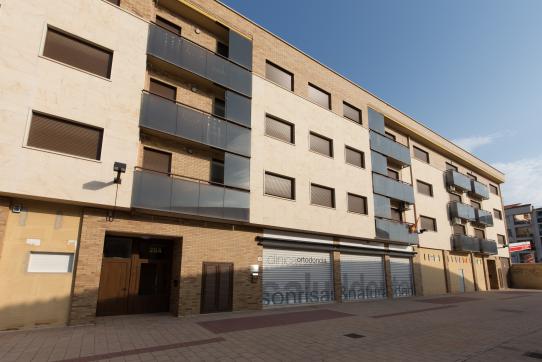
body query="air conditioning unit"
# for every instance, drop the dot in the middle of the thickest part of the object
(405, 206)
(457, 220)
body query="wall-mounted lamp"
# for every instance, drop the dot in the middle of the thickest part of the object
(255, 272)
(119, 168)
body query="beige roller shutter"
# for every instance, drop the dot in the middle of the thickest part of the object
(401, 277)
(362, 277)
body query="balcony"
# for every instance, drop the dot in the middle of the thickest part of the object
(376, 121)
(194, 58)
(179, 120)
(395, 231)
(462, 211)
(390, 148)
(162, 192)
(479, 190)
(394, 189)
(488, 247)
(458, 181)
(466, 243)
(484, 217)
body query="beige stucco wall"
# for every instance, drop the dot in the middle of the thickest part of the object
(526, 276)
(36, 299)
(432, 271)
(31, 82)
(269, 154)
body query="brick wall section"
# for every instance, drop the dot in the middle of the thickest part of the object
(201, 241)
(4, 213)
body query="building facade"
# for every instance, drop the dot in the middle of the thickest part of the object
(524, 225)
(174, 156)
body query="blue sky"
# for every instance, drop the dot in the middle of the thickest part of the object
(469, 69)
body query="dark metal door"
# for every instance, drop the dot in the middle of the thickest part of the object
(217, 287)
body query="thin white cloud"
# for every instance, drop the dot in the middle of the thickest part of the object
(471, 143)
(523, 181)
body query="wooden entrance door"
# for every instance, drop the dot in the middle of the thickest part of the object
(217, 287)
(492, 273)
(135, 276)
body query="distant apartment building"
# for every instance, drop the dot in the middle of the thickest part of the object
(524, 228)
(173, 156)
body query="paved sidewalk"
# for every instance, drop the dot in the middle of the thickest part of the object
(495, 326)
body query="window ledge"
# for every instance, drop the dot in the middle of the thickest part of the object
(62, 154)
(75, 68)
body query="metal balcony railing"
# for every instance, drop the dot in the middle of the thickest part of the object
(392, 188)
(479, 190)
(190, 56)
(466, 243)
(164, 115)
(390, 148)
(484, 217)
(395, 231)
(488, 247)
(457, 181)
(462, 211)
(178, 194)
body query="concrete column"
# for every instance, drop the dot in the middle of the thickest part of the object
(417, 274)
(4, 212)
(387, 270)
(445, 256)
(337, 283)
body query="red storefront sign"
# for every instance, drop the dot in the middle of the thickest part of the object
(525, 245)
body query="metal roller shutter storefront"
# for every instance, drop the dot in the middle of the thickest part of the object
(296, 277)
(401, 277)
(362, 277)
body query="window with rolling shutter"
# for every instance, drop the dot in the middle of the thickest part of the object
(162, 89)
(278, 185)
(424, 188)
(421, 154)
(459, 229)
(168, 25)
(479, 233)
(323, 196)
(78, 53)
(428, 223)
(357, 204)
(54, 134)
(321, 144)
(279, 129)
(319, 96)
(351, 112)
(279, 76)
(501, 239)
(455, 197)
(155, 160)
(494, 189)
(354, 157)
(497, 214)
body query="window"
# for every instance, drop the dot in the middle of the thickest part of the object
(354, 157)
(522, 219)
(501, 239)
(479, 233)
(222, 49)
(321, 144)
(497, 214)
(40, 262)
(471, 176)
(424, 188)
(428, 223)
(319, 96)
(449, 166)
(279, 76)
(323, 196)
(455, 197)
(391, 136)
(475, 204)
(217, 171)
(155, 160)
(396, 212)
(115, 2)
(357, 204)
(168, 25)
(163, 90)
(393, 174)
(351, 112)
(494, 189)
(421, 154)
(281, 186)
(55, 134)
(459, 229)
(78, 53)
(279, 129)
(524, 232)
(219, 107)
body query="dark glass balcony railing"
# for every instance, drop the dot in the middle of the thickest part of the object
(379, 163)
(479, 190)
(458, 181)
(376, 121)
(166, 116)
(190, 56)
(390, 148)
(462, 211)
(395, 231)
(466, 243)
(162, 192)
(484, 217)
(488, 247)
(394, 189)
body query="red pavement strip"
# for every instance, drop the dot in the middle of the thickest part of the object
(162, 347)
(412, 311)
(274, 320)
